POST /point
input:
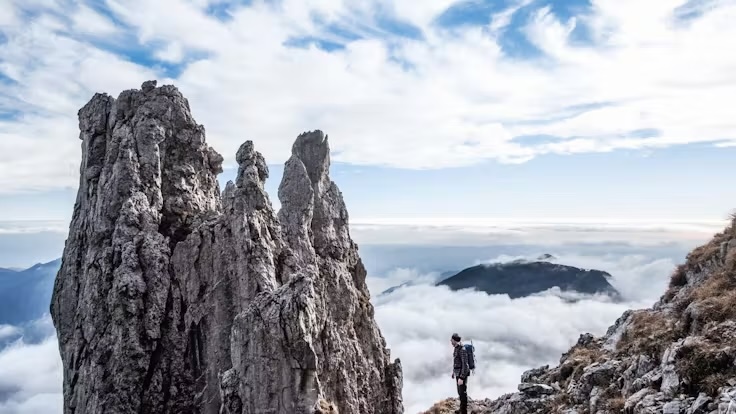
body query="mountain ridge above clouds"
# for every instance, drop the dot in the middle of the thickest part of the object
(679, 356)
(25, 294)
(523, 277)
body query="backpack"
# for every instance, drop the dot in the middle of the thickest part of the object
(470, 349)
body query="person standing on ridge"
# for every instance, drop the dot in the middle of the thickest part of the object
(460, 372)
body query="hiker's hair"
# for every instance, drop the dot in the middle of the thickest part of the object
(456, 337)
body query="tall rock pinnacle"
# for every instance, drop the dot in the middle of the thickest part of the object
(174, 299)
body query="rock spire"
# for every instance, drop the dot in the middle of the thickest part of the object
(173, 298)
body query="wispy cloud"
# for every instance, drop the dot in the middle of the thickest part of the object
(33, 226)
(442, 98)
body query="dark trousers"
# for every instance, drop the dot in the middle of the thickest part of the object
(462, 392)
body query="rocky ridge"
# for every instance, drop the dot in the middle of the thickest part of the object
(679, 357)
(174, 298)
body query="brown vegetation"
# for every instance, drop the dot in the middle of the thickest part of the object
(705, 367)
(616, 404)
(716, 298)
(707, 252)
(442, 407)
(649, 332)
(677, 281)
(575, 362)
(560, 402)
(679, 277)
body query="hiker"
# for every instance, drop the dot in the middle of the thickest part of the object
(460, 371)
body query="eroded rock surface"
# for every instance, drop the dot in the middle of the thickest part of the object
(173, 298)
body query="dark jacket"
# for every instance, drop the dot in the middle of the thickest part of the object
(460, 366)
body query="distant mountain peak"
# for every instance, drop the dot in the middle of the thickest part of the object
(520, 278)
(546, 257)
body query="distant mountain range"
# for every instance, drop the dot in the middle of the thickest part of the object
(521, 278)
(26, 294)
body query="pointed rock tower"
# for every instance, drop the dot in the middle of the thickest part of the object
(174, 299)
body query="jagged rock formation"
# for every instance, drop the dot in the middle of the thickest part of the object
(174, 299)
(522, 278)
(679, 357)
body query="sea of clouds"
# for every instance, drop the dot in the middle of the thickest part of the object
(30, 369)
(510, 336)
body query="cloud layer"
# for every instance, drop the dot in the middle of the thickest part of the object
(395, 83)
(510, 336)
(30, 369)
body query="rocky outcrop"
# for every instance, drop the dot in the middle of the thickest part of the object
(172, 298)
(679, 357)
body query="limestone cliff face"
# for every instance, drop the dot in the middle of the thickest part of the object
(173, 298)
(679, 357)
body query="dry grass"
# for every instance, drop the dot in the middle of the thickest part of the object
(443, 407)
(716, 285)
(706, 252)
(679, 277)
(677, 281)
(616, 404)
(705, 367)
(560, 402)
(585, 355)
(731, 261)
(575, 361)
(716, 297)
(649, 332)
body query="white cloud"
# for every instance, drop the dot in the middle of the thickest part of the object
(33, 226)
(31, 376)
(399, 276)
(8, 16)
(88, 21)
(173, 52)
(510, 336)
(451, 98)
(40, 146)
(8, 331)
(490, 231)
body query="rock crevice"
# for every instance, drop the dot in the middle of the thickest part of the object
(174, 298)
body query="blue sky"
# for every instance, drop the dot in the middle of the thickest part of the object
(508, 109)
